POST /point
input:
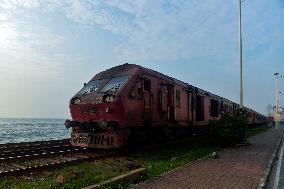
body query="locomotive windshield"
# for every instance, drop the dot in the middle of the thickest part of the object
(92, 86)
(114, 84)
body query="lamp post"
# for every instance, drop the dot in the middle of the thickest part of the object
(280, 109)
(278, 103)
(276, 92)
(276, 100)
(241, 53)
(279, 92)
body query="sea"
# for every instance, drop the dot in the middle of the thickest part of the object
(26, 130)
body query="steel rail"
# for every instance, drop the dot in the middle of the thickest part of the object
(42, 167)
(38, 154)
(31, 149)
(33, 144)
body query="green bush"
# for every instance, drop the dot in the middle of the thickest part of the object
(230, 130)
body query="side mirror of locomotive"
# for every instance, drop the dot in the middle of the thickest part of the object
(67, 124)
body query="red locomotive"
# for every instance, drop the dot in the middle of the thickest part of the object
(130, 99)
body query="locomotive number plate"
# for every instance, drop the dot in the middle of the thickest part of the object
(98, 100)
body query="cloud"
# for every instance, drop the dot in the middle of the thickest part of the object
(171, 30)
(143, 31)
(101, 13)
(175, 31)
(160, 29)
(166, 29)
(25, 44)
(15, 16)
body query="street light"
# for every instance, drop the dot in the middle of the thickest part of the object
(278, 104)
(276, 101)
(276, 114)
(280, 109)
(241, 53)
(276, 92)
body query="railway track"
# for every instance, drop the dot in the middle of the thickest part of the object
(29, 157)
(31, 150)
(33, 144)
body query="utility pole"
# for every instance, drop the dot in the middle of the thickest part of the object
(276, 101)
(276, 92)
(278, 105)
(241, 53)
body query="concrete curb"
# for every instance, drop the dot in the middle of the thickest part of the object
(264, 179)
(127, 176)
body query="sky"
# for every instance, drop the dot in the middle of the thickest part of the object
(49, 48)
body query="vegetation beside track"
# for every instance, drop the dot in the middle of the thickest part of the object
(257, 130)
(231, 129)
(167, 157)
(73, 176)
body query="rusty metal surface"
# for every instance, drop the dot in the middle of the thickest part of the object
(147, 99)
(104, 140)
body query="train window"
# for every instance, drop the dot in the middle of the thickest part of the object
(177, 98)
(214, 111)
(114, 84)
(147, 85)
(91, 87)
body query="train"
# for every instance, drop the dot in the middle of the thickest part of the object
(131, 101)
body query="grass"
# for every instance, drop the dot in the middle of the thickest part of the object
(72, 176)
(172, 156)
(256, 130)
(167, 157)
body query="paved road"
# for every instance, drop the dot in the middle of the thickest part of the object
(241, 167)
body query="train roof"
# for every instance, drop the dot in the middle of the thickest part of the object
(129, 69)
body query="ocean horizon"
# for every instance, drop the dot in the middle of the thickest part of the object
(14, 130)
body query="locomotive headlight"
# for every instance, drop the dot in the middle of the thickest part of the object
(76, 101)
(108, 98)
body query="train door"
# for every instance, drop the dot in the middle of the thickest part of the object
(222, 107)
(189, 107)
(147, 100)
(162, 99)
(199, 108)
(171, 108)
(193, 108)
